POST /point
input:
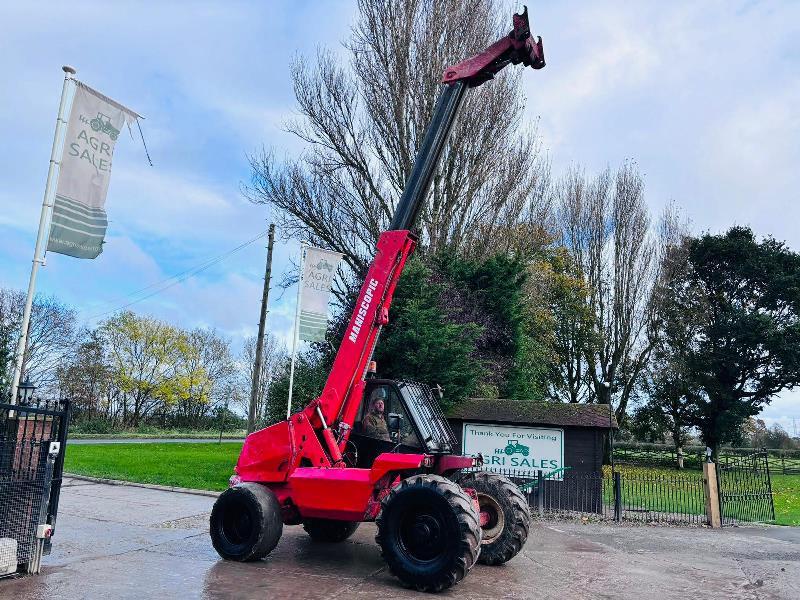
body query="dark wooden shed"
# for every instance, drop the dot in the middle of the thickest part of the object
(585, 426)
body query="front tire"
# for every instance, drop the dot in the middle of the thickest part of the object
(505, 513)
(329, 530)
(429, 532)
(246, 522)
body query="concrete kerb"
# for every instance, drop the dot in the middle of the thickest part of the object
(149, 486)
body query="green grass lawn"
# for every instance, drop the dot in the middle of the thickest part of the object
(208, 467)
(199, 466)
(786, 496)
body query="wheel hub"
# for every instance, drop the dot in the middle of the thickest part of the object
(421, 536)
(492, 518)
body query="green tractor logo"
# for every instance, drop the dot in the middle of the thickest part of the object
(103, 123)
(324, 264)
(514, 447)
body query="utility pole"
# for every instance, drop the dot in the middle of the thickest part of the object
(251, 415)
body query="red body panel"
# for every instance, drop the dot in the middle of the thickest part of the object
(345, 494)
(269, 455)
(331, 493)
(266, 454)
(451, 462)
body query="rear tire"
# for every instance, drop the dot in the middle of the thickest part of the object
(329, 530)
(246, 522)
(508, 514)
(429, 532)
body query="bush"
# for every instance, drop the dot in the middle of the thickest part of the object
(146, 429)
(93, 426)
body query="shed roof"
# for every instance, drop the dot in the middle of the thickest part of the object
(534, 413)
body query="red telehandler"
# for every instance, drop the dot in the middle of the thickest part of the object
(371, 449)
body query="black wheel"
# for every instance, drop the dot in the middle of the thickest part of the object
(429, 532)
(505, 515)
(328, 530)
(246, 522)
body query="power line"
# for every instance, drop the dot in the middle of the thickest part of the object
(210, 261)
(178, 277)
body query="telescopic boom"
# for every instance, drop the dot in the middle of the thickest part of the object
(343, 389)
(331, 416)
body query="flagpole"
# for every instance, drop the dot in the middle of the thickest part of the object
(47, 208)
(296, 327)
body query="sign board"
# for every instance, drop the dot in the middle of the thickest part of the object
(319, 269)
(523, 450)
(79, 220)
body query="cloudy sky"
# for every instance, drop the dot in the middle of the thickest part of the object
(705, 96)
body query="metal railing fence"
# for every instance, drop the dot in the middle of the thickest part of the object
(782, 461)
(745, 490)
(620, 496)
(30, 484)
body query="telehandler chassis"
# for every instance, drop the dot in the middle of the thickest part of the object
(435, 516)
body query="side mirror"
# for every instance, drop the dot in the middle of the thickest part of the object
(394, 423)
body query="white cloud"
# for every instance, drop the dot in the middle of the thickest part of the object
(611, 54)
(753, 151)
(704, 96)
(784, 410)
(174, 205)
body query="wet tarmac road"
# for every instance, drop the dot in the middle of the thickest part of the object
(124, 542)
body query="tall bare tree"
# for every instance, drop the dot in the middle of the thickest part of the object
(85, 377)
(273, 358)
(363, 122)
(52, 336)
(605, 224)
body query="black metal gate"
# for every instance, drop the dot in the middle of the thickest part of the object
(30, 486)
(745, 489)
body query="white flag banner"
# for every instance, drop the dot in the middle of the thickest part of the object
(319, 268)
(79, 221)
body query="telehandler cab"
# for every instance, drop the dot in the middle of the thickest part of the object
(379, 450)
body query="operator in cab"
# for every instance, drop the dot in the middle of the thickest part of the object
(374, 422)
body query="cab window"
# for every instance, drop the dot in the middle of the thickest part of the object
(378, 403)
